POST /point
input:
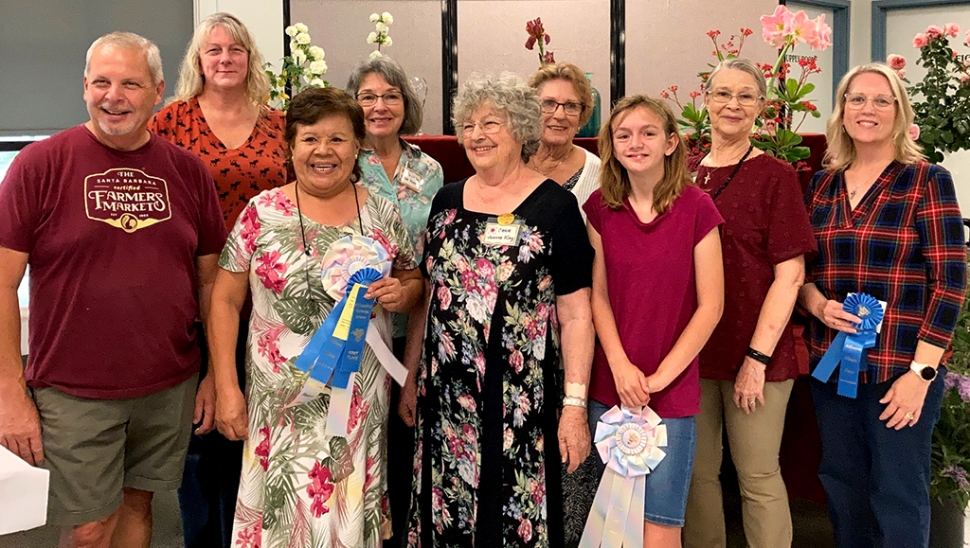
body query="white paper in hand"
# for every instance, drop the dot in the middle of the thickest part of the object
(23, 494)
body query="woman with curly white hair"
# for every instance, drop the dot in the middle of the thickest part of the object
(508, 267)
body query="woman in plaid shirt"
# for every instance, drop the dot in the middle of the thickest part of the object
(888, 225)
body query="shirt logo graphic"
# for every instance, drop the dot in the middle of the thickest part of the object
(126, 198)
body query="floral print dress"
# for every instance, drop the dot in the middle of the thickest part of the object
(487, 460)
(299, 487)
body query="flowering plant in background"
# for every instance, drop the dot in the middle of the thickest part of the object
(787, 105)
(538, 36)
(304, 67)
(941, 100)
(951, 438)
(379, 36)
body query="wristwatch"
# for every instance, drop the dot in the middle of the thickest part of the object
(925, 372)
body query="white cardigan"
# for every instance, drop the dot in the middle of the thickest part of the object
(588, 180)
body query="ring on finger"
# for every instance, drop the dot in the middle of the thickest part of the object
(909, 416)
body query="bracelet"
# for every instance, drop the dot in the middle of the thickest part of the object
(575, 402)
(757, 356)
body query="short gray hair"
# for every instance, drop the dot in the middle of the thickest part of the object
(394, 75)
(744, 66)
(509, 95)
(130, 41)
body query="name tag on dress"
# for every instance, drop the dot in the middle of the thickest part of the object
(502, 230)
(411, 180)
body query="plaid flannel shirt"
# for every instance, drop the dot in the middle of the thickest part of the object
(902, 244)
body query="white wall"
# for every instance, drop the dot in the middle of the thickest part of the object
(822, 96)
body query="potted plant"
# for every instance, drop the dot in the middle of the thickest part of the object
(950, 482)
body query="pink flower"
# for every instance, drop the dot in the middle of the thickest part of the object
(320, 489)
(516, 360)
(951, 29)
(746, 31)
(269, 270)
(262, 450)
(548, 58)
(820, 37)
(773, 26)
(358, 409)
(525, 530)
(901, 74)
(920, 41)
(914, 132)
(673, 88)
(713, 33)
(664, 94)
(896, 62)
(966, 39)
(933, 31)
(444, 297)
(965, 79)
(251, 226)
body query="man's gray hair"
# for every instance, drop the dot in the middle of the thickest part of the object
(130, 41)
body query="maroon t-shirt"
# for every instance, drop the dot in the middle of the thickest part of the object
(765, 223)
(650, 279)
(112, 238)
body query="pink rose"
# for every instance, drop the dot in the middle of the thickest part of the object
(525, 530)
(444, 297)
(965, 79)
(896, 62)
(951, 29)
(901, 74)
(933, 31)
(920, 41)
(517, 360)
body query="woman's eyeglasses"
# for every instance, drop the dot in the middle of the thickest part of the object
(745, 99)
(391, 98)
(856, 101)
(549, 106)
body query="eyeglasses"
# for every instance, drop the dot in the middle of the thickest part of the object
(549, 106)
(744, 99)
(391, 98)
(490, 127)
(856, 101)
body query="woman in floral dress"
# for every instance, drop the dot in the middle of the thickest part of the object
(300, 486)
(508, 265)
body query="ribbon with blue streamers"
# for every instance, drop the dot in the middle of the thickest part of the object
(628, 441)
(336, 348)
(849, 349)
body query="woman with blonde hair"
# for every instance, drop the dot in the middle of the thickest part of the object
(888, 226)
(219, 113)
(658, 292)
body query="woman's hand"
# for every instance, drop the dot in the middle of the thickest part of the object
(631, 384)
(573, 437)
(904, 401)
(749, 386)
(408, 402)
(835, 317)
(389, 292)
(232, 419)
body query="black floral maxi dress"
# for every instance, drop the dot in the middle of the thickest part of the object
(487, 464)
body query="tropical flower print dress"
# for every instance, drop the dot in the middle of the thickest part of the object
(487, 465)
(299, 487)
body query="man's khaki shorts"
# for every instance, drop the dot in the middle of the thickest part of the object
(93, 448)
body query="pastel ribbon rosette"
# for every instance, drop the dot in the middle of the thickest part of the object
(333, 355)
(628, 441)
(849, 349)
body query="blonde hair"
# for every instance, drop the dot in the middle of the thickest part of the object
(841, 148)
(614, 179)
(191, 80)
(570, 73)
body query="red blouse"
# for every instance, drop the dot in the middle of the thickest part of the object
(765, 223)
(239, 173)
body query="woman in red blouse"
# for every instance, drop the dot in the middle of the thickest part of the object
(748, 365)
(219, 112)
(888, 225)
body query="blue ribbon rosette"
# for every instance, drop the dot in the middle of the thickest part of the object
(849, 349)
(628, 441)
(334, 352)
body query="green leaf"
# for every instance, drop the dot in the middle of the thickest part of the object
(297, 313)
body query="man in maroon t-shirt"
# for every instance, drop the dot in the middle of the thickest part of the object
(122, 232)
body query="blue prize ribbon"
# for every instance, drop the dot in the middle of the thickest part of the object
(337, 352)
(850, 349)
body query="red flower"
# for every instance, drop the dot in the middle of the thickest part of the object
(713, 33)
(320, 490)
(746, 31)
(548, 57)
(262, 450)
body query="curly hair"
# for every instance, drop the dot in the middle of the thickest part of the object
(191, 80)
(312, 105)
(841, 148)
(507, 94)
(394, 75)
(572, 74)
(614, 179)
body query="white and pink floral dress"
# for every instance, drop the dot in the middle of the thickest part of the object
(301, 488)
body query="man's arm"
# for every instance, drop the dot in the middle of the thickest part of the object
(19, 421)
(205, 399)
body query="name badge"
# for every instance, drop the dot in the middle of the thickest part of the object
(411, 180)
(502, 230)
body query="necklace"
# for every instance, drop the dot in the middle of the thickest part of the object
(737, 167)
(299, 212)
(707, 176)
(535, 164)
